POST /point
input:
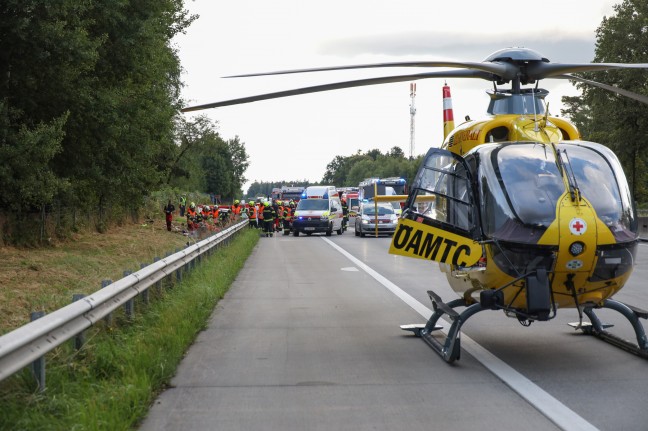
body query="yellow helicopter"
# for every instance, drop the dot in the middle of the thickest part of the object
(520, 213)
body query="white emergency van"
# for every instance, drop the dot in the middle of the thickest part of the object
(318, 210)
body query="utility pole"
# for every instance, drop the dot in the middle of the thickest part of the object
(412, 114)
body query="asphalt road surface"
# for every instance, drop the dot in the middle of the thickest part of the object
(308, 338)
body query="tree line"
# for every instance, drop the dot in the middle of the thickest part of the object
(90, 99)
(346, 171)
(616, 121)
(89, 111)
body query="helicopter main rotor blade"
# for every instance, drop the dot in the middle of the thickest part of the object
(548, 70)
(504, 70)
(635, 96)
(463, 73)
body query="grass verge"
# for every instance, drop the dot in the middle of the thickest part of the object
(111, 382)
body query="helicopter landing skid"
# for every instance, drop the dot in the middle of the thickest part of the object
(450, 349)
(633, 314)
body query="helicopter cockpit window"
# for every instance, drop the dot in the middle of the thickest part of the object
(441, 192)
(520, 186)
(532, 182)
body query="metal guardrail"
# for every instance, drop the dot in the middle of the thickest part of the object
(32, 341)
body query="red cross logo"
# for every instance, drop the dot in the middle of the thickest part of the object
(577, 226)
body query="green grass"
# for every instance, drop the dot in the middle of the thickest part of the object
(111, 382)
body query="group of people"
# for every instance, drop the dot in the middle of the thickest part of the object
(274, 217)
(210, 217)
(270, 217)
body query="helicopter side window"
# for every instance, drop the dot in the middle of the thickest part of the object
(497, 134)
(442, 190)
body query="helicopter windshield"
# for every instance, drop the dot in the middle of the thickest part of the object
(521, 185)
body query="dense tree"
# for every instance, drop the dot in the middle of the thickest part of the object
(351, 170)
(89, 91)
(616, 121)
(204, 162)
(396, 152)
(123, 117)
(45, 53)
(338, 169)
(239, 160)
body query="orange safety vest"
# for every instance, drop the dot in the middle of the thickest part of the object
(252, 211)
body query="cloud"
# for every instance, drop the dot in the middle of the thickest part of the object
(442, 45)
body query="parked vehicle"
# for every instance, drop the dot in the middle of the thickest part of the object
(368, 219)
(319, 210)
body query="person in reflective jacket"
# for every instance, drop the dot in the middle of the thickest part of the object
(168, 211)
(252, 212)
(269, 216)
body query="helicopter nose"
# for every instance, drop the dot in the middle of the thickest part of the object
(577, 243)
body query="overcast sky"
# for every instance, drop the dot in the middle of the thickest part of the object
(296, 137)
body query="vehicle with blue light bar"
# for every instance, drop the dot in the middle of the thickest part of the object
(319, 211)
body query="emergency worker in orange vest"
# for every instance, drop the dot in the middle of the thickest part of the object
(206, 214)
(278, 211)
(191, 216)
(252, 213)
(287, 217)
(236, 210)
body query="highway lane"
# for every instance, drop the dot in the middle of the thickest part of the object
(306, 339)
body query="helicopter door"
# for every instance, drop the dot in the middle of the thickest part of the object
(440, 219)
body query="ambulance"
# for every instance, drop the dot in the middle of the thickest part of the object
(318, 210)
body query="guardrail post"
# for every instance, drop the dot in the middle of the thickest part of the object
(108, 318)
(169, 277)
(192, 262)
(38, 366)
(158, 285)
(145, 293)
(79, 339)
(129, 306)
(179, 270)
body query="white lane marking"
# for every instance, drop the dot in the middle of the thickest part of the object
(561, 415)
(350, 269)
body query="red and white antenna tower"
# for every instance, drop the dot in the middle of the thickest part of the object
(448, 116)
(412, 114)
